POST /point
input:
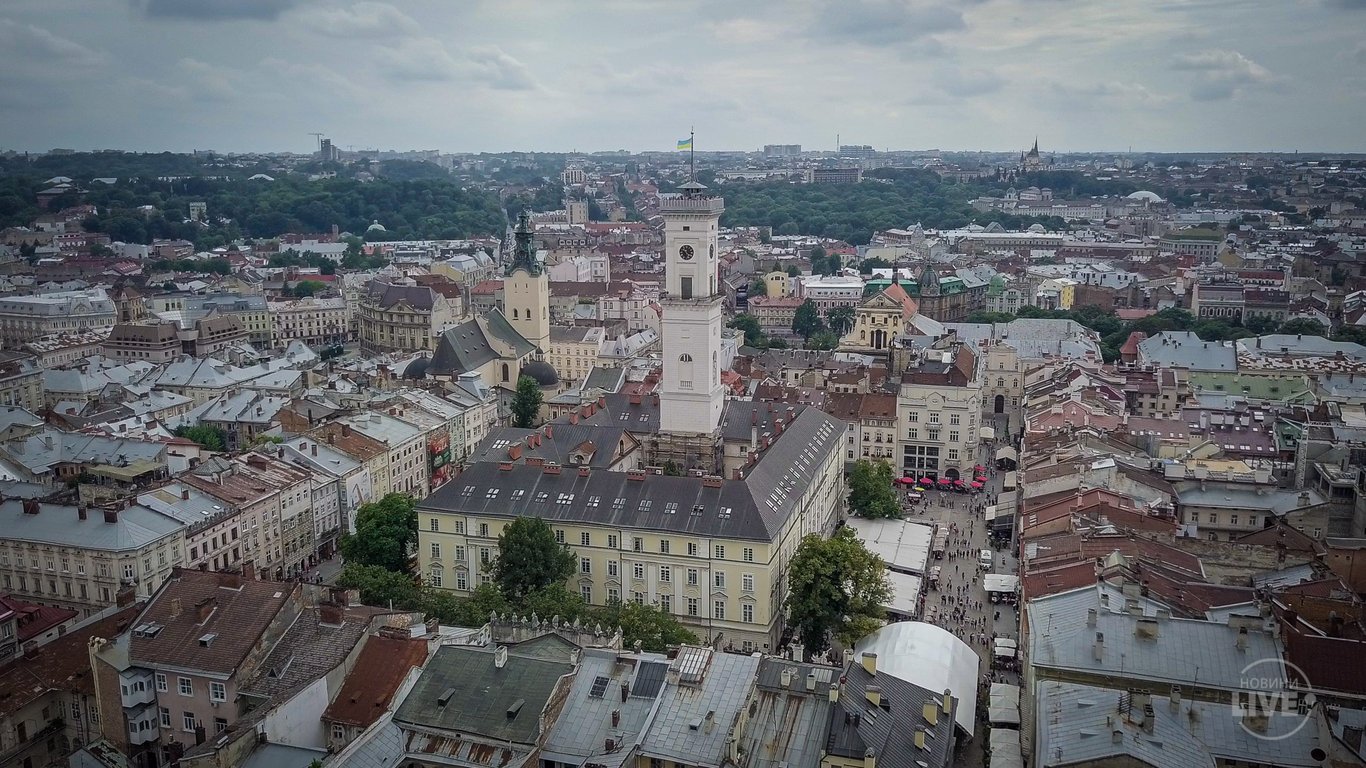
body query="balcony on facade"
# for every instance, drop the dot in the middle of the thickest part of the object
(144, 724)
(136, 688)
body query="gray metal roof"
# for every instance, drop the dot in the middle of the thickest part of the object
(754, 508)
(466, 347)
(788, 726)
(679, 731)
(39, 451)
(1277, 501)
(930, 657)
(1184, 349)
(481, 694)
(581, 733)
(60, 525)
(1185, 652)
(1079, 721)
(890, 732)
(1301, 346)
(564, 439)
(1033, 338)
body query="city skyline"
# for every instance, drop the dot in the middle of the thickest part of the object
(261, 75)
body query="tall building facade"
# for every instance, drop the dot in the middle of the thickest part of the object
(691, 395)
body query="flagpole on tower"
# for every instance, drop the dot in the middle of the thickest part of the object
(692, 160)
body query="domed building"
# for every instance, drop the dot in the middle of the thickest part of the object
(1145, 197)
(543, 372)
(375, 226)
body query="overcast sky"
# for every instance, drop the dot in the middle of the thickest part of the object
(561, 75)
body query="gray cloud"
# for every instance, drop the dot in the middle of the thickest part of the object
(1221, 74)
(363, 20)
(885, 22)
(32, 42)
(633, 73)
(496, 69)
(212, 10)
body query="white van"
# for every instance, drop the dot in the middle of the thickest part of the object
(985, 559)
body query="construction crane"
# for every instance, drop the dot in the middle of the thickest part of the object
(319, 137)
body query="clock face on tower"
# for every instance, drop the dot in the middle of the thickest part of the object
(685, 253)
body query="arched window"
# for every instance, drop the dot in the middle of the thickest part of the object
(514, 313)
(505, 372)
(434, 579)
(685, 358)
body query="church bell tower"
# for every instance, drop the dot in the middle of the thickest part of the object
(691, 396)
(526, 289)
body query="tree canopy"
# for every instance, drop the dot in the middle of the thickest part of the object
(836, 590)
(437, 207)
(212, 438)
(386, 530)
(530, 559)
(526, 403)
(806, 321)
(870, 490)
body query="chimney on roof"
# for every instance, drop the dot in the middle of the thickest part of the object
(81, 511)
(175, 607)
(834, 693)
(930, 711)
(869, 661)
(1175, 698)
(204, 609)
(1240, 642)
(1091, 618)
(500, 657)
(1098, 648)
(111, 515)
(346, 430)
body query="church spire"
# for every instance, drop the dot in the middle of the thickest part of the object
(524, 252)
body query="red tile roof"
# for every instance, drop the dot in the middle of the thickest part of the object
(34, 619)
(62, 665)
(370, 688)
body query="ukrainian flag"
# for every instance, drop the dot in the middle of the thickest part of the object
(685, 143)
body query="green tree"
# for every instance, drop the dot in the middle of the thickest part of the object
(209, 437)
(758, 287)
(754, 335)
(794, 271)
(806, 321)
(1260, 324)
(672, 469)
(870, 490)
(381, 586)
(656, 630)
(840, 319)
(386, 530)
(530, 559)
(823, 340)
(305, 288)
(867, 266)
(822, 263)
(836, 590)
(1303, 325)
(526, 403)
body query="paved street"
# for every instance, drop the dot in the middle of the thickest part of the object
(960, 604)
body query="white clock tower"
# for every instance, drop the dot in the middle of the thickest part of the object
(691, 397)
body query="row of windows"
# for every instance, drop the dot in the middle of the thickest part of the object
(691, 605)
(586, 538)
